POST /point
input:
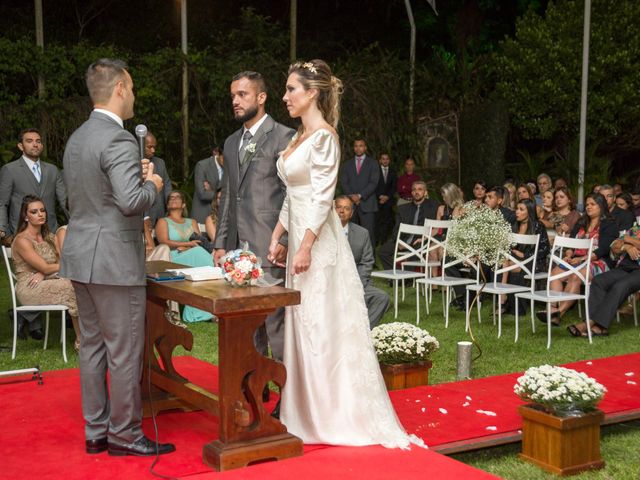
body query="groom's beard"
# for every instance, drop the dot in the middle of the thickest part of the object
(248, 115)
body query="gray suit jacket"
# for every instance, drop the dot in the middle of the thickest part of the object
(252, 197)
(17, 180)
(159, 207)
(360, 244)
(104, 243)
(206, 170)
(363, 183)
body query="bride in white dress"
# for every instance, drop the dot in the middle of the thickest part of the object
(335, 393)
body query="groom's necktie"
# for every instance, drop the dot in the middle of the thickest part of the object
(246, 138)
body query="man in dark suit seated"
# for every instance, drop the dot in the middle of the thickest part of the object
(377, 300)
(386, 198)
(493, 200)
(412, 213)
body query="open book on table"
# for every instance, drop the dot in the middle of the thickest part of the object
(197, 274)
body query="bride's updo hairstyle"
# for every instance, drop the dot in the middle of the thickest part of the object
(317, 74)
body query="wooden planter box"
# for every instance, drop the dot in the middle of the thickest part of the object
(564, 446)
(406, 375)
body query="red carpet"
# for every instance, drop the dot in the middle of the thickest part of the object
(42, 435)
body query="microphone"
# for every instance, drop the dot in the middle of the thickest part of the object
(141, 132)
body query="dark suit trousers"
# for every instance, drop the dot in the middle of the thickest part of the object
(366, 220)
(608, 291)
(112, 327)
(384, 222)
(386, 254)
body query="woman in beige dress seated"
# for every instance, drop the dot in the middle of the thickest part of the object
(36, 263)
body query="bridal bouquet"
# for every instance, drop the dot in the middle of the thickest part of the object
(401, 342)
(241, 267)
(559, 390)
(479, 232)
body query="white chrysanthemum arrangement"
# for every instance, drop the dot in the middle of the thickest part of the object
(560, 390)
(479, 232)
(400, 342)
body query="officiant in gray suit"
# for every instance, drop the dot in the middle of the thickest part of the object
(359, 180)
(103, 255)
(377, 300)
(252, 193)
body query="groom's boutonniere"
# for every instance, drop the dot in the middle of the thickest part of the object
(249, 151)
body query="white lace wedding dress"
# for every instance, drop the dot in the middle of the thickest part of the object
(335, 393)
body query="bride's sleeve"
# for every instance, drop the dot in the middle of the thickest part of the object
(325, 161)
(284, 212)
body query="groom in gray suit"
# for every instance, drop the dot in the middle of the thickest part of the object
(377, 300)
(103, 256)
(252, 193)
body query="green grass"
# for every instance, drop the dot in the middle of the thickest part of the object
(620, 443)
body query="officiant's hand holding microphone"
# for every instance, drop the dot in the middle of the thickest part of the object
(147, 165)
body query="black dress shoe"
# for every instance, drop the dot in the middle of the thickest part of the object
(276, 411)
(143, 447)
(36, 334)
(266, 394)
(96, 446)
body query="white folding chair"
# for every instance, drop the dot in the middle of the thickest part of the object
(549, 296)
(403, 251)
(432, 229)
(497, 288)
(6, 253)
(444, 280)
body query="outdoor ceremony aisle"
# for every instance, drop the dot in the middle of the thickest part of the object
(42, 437)
(42, 434)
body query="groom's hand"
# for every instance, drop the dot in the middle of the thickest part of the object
(218, 254)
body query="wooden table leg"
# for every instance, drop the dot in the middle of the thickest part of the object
(248, 433)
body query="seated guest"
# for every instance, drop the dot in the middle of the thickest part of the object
(377, 300)
(412, 213)
(36, 262)
(624, 201)
(624, 219)
(405, 181)
(526, 224)
(479, 191)
(494, 200)
(547, 208)
(175, 231)
(211, 222)
(560, 183)
(635, 195)
(565, 215)
(544, 183)
(595, 224)
(510, 201)
(526, 191)
(453, 202)
(609, 290)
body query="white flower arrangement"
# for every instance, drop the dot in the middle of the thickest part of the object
(251, 148)
(560, 390)
(479, 232)
(400, 342)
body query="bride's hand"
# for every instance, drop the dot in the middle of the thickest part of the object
(277, 253)
(301, 261)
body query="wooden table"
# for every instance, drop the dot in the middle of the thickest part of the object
(247, 433)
